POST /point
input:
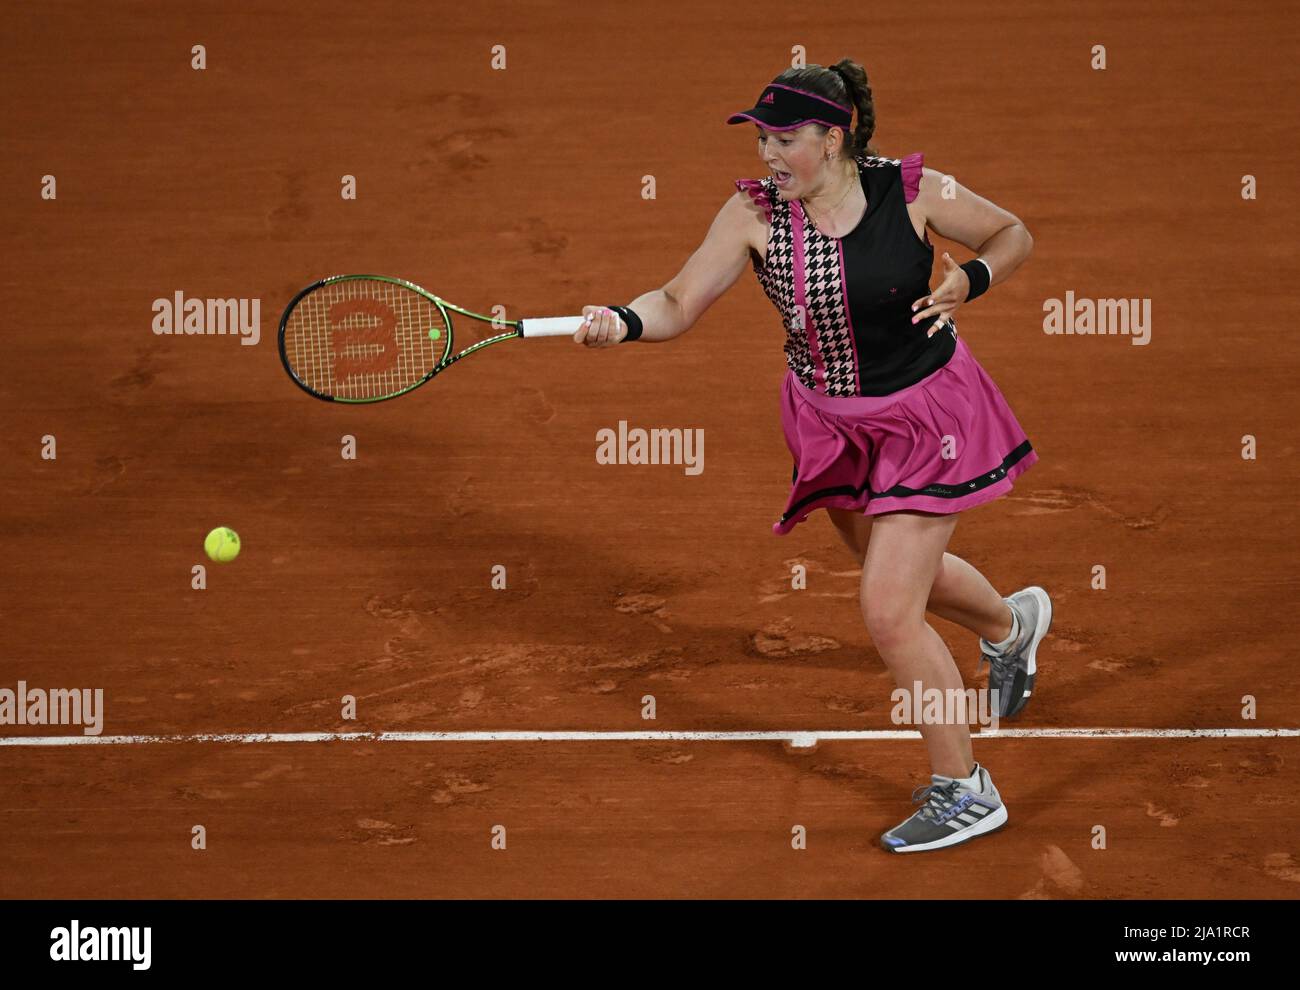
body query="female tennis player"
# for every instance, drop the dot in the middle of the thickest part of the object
(894, 427)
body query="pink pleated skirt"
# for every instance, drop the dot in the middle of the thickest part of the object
(945, 444)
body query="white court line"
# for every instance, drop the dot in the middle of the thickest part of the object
(798, 739)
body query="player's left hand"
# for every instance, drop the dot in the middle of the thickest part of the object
(946, 299)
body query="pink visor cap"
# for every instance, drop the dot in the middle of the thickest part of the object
(783, 108)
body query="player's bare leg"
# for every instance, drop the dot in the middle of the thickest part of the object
(960, 593)
(903, 558)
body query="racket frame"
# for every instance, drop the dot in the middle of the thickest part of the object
(442, 305)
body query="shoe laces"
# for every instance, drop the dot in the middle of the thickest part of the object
(938, 799)
(1001, 665)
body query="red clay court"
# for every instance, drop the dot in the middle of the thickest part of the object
(371, 577)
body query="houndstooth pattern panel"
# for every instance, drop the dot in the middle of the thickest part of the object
(824, 292)
(777, 281)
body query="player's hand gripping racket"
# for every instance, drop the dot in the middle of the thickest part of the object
(366, 338)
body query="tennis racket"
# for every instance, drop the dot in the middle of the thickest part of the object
(367, 338)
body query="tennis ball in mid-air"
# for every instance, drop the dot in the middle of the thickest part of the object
(435, 333)
(222, 544)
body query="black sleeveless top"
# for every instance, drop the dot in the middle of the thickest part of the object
(847, 302)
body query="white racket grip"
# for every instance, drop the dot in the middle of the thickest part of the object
(551, 326)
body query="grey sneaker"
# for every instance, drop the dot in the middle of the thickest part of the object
(1011, 673)
(951, 813)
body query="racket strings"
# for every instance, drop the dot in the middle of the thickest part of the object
(364, 339)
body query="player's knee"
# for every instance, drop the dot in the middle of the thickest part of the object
(891, 621)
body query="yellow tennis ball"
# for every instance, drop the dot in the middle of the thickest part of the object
(222, 544)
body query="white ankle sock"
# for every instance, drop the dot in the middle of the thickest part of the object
(1015, 632)
(973, 781)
